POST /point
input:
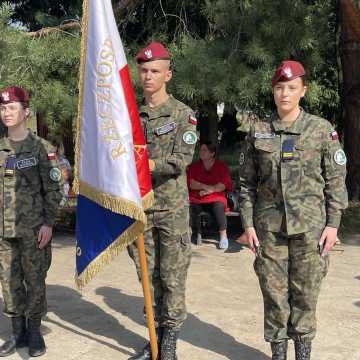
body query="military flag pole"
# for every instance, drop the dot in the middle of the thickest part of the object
(147, 297)
(110, 214)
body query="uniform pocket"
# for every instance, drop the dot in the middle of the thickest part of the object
(266, 146)
(27, 168)
(266, 155)
(309, 160)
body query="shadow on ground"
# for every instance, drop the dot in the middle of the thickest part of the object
(63, 240)
(92, 321)
(89, 317)
(196, 332)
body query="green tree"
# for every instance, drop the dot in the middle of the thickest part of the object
(245, 43)
(227, 50)
(350, 59)
(46, 66)
(35, 14)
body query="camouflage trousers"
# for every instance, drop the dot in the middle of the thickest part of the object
(290, 270)
(23, 269)
(168, 253)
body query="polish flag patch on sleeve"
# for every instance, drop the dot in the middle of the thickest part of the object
(51, 156)
(192, 119)
(334, 135)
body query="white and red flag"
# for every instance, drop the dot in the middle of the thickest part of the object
(112, 172)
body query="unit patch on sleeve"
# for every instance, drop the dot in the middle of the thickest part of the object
(340, 157)
(55, 174)
(190, 137)
(26, 163)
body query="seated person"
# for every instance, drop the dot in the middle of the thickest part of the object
(208, 180)
(65, 168)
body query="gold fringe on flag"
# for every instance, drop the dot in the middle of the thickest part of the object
(83, 54)
(148, 200)
(110, 202)
(108, 254)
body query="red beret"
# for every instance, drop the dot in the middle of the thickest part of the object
(14, 94)
(288, 70)
(153, 51)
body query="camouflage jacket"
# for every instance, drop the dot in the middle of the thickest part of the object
(292, 178)
(171, 137)
(30, 185)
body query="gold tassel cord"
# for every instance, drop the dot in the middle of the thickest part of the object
(109, 254)
(83, 55)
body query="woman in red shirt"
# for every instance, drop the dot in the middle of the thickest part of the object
(208, 180)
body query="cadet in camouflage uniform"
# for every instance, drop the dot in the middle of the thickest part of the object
(30, 194)
(170, 133)
(292, 197)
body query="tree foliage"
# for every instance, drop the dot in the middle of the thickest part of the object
(245, 43)
(223, 50)
(35, 14)
(227, 50)
(46, 66)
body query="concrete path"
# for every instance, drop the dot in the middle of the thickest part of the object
(224, 302)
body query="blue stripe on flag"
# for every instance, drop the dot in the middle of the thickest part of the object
(96, 229)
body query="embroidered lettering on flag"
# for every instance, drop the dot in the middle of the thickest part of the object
(112, 174)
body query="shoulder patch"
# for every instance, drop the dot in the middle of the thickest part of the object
(334, 135)
(51, 156)
(55, 174)
(340, 157)
(190, 137)
(193, 119)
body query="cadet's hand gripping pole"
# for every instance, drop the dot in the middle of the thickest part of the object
(147, 297)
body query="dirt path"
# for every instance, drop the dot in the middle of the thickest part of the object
(224, 303)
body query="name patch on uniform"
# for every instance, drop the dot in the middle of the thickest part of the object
(165, 128)
(340, 157)
(264, 135)
(26, 163)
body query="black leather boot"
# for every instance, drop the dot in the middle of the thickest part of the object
(279, 350)
(145, 354)
(17, 339)
(36, 341)
(168, 344)
(302, 350)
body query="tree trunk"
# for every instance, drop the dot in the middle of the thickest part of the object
(350, 59)
(208, 122)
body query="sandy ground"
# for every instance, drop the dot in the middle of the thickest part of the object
(224, 303)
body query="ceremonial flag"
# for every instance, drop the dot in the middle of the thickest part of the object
(112, 173)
